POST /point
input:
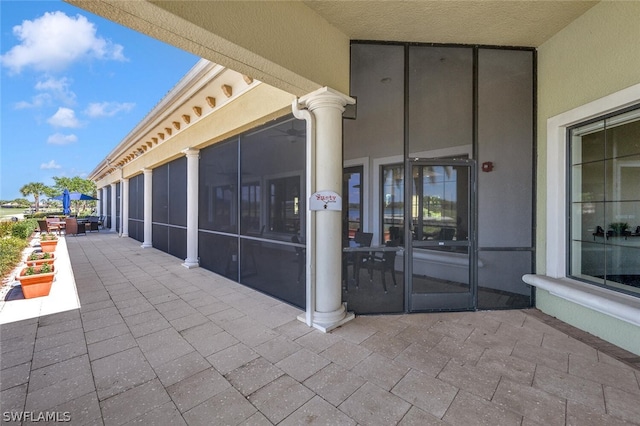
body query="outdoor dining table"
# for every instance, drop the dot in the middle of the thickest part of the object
(60, 224)
(360, 255)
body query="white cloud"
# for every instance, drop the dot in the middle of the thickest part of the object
(54, 41)
(60, 139)
(50, 165)
(37, 101)
(64, 117)
(108, 109)
(59, 88)
(50, 88)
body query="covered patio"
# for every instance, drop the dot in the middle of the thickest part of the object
(153, 342)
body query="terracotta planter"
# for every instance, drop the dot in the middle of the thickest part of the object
(40, 260)
(36, 285)
(49, 246)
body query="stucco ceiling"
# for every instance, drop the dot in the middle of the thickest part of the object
(505, 23)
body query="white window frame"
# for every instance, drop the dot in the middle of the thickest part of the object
(618, 305)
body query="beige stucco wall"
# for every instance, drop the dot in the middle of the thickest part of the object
(596, 55)
(255, 107)
(593, 57)
(281, 43)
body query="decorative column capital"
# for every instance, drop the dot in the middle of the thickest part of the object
(191, 152)
(325, 97)
(147, 171)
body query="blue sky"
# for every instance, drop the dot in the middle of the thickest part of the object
(72, 86)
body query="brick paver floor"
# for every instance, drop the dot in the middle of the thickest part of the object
(155, 343)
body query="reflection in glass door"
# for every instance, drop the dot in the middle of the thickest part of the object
(442, 245)
(352, 201)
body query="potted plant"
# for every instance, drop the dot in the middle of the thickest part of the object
(619, 229)
(40, 258)
(36, 280)
(48, 242)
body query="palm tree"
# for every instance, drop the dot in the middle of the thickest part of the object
(36, 189)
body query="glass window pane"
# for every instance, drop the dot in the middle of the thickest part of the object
(588, 143)
(377, 81)
(219, 254)
(436, 210)
(274, 268)
(160, 237)
(623, 263)
(440, 101)
(352, 200)
(284, 205)
(605, 200)
(251, 206)
(218, 187)
(622, 135)
(273, 181)
(392, 202)
(622, 178)
(108, 204)
(500, 282)
(136, 197)
(136, 207)
(160, 189)
(177, 242)
(118, 207)
(587, 182)
(373, 282)
(178, 192)
(505, 138)
(588, 221)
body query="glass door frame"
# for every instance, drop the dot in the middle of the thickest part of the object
(423, 302)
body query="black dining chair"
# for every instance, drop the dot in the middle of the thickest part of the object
(360, 259)
(384, 262)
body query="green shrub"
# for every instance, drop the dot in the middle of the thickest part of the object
(5, 228)
(10, 253)
(24, 228)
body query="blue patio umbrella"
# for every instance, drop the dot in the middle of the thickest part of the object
(67, 197)
(75, 196)
(66, 202)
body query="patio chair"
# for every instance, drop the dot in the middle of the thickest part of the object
(359, 259)
(42, 224)
(599, 232)
(384, 262)
(93, 224)
(52, 226)
(74, 228)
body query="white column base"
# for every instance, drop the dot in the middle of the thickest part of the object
(146, 245)
(327, 321)
(191, 263)
(124, 234)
